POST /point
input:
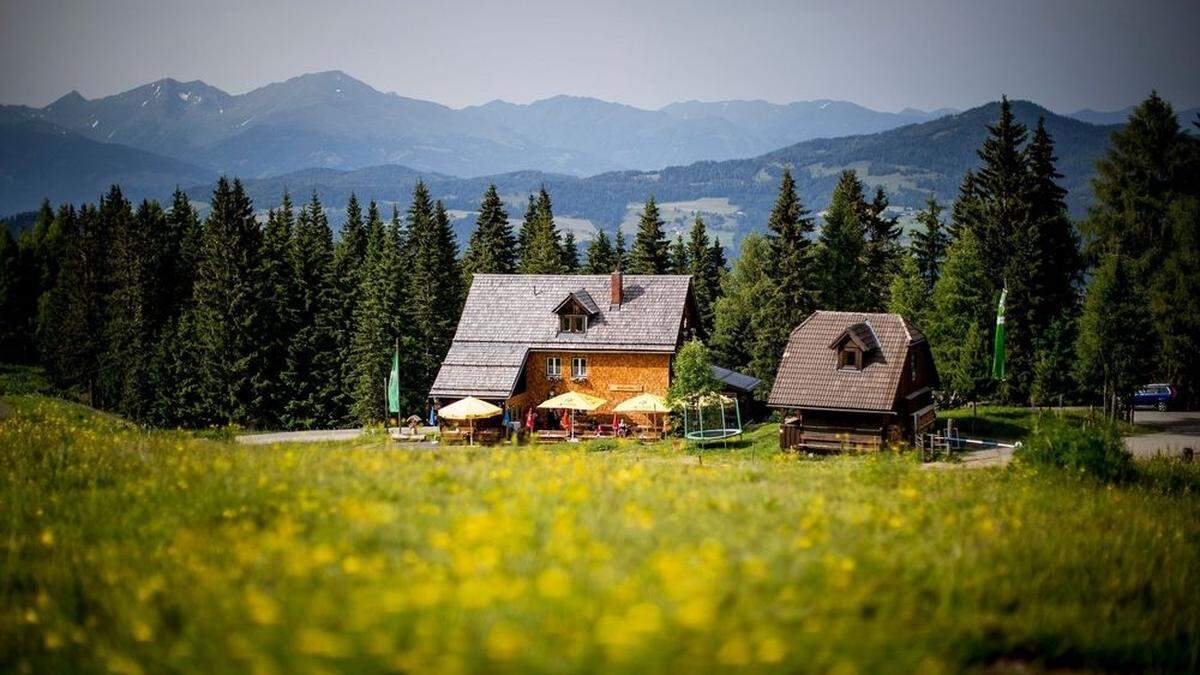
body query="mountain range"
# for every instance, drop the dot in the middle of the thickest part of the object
(331, 120)
(734, 196)
(332, 134)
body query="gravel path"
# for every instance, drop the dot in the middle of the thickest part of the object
(300, 436)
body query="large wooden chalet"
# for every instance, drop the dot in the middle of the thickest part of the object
(524, 338)
(853, 380)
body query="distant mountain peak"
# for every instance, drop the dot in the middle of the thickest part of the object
(72, 97)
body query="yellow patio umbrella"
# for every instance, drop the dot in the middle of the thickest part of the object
(573, 400)
(470, 409)
(644, 403)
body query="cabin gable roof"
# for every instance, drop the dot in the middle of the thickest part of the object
(809, 376)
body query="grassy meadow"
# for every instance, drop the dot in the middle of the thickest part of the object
(133, 551)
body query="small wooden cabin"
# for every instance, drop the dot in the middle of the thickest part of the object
(851, 380)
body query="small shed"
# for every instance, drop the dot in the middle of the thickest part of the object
(851, 380)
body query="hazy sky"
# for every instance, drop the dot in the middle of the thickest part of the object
(1065, 54)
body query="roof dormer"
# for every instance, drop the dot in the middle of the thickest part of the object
(575, 311)
(855, 346)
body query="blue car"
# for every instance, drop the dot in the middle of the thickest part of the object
(1157, 396)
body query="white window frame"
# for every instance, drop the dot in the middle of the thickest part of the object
(554, 367)
(579, 368)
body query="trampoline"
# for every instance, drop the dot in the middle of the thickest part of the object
(706, 419)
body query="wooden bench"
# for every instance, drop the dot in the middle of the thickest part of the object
(409, 434)
(649, 435)
(454, 436)
(486, 436)
(551, 436)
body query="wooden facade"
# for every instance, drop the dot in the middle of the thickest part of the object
(854, 382)
(613, 376)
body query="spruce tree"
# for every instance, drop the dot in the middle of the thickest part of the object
(312, 376)
(348, 256)
(882, 249)
(619, 250)
(1175, 298)
(375, 320)
(71, 323)
(961, 320)
(929, 243)
(542, 252)
(280, 308)
(1003, 182)
(18, 299)
(788, 230)
(570, 254)
(744, 337)
(227, 298)
(1149, 162)
(525, 233)
(841, 251)
(1116, 337)
(132, 304)
(678, 256)
(706, 273)
(649, 254)
(601, 258)
(908, 295)
(114, 221)
(967, 211)
(434, 292)
(492, 248)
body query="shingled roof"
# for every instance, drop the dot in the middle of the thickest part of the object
(508, 315)
(809, 376)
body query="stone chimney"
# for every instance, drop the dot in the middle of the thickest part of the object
(616, 283)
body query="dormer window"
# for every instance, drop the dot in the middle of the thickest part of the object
(572, 323)
(854, 346)
(850, 357)
(575, 312)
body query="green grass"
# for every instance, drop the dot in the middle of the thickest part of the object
(135, 551)
(1014, 422)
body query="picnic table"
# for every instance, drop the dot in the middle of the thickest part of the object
(449, 436)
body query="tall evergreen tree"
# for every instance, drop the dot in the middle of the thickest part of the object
(929, 243)
(601, 258)
(227, 298)
(131, 322)
(619, 250)
(312, 376)
(1150, 161)
(744, 337)
(280, 309)
(649, 254)
(375, 319)
(542, 251)
(492, 248)
(1116, 337)
(435, 292)
(1003, 182)
(570, 254)
(525, 233)
(841, 251)
(967, 211)
(706, 271)
(909, 294)
(678, 256)
(788, 230)
(961, 320)
(881, 256)
(71, 324)
(348, 260)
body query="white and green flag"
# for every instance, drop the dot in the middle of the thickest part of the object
(393, 385)
(998, 361)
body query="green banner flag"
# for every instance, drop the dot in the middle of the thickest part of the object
(998, 361)
(393, 390)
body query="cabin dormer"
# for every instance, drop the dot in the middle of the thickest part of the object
(855, 346)
(575, 312)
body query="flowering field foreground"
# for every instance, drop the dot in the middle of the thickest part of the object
(130, 552)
